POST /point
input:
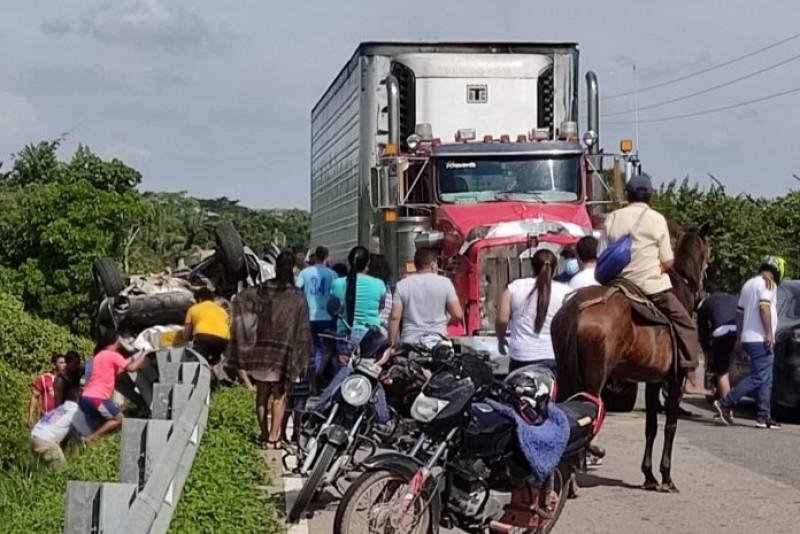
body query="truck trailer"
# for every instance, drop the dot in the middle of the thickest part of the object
(469, 148)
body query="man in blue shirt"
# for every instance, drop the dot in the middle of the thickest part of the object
(316, 281)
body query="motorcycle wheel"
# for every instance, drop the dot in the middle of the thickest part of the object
(561, 482)
(309, 489)
(380, 508)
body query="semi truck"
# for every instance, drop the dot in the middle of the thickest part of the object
(472, 149)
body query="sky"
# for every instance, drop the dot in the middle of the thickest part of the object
(214, 98)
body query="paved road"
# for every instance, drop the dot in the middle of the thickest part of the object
(732, 480)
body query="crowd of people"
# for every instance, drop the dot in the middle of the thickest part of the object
(274, 335)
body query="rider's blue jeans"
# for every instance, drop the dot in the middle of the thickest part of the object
(759, 381)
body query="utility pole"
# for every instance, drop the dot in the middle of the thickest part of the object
(636, 111)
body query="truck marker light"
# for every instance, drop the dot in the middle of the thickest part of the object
(521, 138)
(391, 149)
(390, 216)
(488, 139)
(505, 138)
(465, 134)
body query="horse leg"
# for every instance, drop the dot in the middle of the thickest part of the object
(672, 409)
(650, 431)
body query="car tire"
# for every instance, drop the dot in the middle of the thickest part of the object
(108, 276)
(622, 401)
(230, 249)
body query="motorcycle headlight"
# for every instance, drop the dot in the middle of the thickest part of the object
(425, 409)
(356, 390)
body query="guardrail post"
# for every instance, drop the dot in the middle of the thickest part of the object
(169, 400)
(94, 507)
(143, 443)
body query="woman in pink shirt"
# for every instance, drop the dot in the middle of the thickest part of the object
(96, 403)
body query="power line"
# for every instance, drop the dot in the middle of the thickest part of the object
(707, 69)
(713, 110)
(708, 90)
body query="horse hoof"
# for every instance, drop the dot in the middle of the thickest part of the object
(668, 488)
(650, 485)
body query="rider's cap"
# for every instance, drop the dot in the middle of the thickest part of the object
(640, 183)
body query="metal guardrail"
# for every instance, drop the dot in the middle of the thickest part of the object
(156, 455)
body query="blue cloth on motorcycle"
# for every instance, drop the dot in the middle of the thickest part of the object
(543, 444)
(381, 407)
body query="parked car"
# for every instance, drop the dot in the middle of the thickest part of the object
(151, 309)
(786, 377)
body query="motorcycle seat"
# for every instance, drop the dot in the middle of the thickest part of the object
(581, 415)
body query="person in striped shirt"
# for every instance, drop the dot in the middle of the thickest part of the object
(42, 394)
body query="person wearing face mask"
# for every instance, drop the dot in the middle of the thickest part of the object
(569, 258)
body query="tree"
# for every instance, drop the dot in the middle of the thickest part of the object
(58, 218)
(742, 228)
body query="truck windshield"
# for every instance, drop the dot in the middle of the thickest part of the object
(528, 178)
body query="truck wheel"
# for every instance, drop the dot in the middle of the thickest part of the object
(230, 249)
(623, 400)
(108, 277)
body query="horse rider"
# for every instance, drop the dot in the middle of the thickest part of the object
(651, 258)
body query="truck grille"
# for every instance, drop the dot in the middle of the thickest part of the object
(546, 103)
(408, 98)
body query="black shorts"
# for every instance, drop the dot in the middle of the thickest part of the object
(722, 352)
(209, 347)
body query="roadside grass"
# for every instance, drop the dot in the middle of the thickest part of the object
(33, 498)
(225, 489)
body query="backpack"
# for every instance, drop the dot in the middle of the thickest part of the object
(616, 257)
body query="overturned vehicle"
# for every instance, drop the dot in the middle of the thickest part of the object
(148, 311)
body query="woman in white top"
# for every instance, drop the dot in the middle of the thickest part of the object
(528, 305)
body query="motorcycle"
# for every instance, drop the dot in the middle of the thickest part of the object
(466, 450)
(358, 409)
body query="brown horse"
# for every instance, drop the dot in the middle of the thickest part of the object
(597, 338)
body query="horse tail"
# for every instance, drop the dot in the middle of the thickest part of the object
(564, 332)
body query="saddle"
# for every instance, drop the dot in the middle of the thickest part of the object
(641, 305)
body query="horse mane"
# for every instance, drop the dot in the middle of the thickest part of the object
(691, 258)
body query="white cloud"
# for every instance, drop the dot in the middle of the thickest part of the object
(149, 24)
(126, 152)
(18, 120)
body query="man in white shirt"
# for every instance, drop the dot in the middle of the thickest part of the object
(757, 322)
(51, 430)
(587, 259)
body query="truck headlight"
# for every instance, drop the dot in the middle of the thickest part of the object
(356, 390)
(425, 409)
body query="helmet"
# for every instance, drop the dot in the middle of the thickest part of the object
(533, 388)
(776, 264)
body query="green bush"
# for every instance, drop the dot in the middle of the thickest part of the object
(32, 499)
(742, 228)
(26, 342)
(223, 492)
(14, 437)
